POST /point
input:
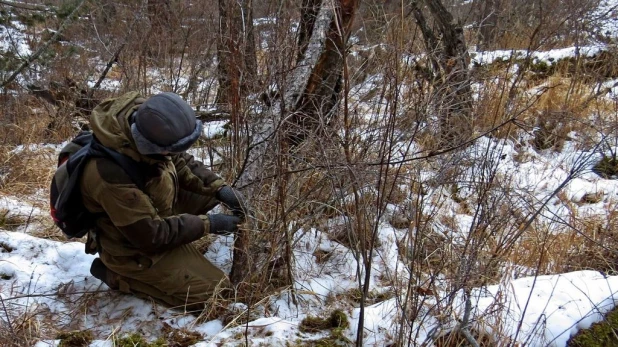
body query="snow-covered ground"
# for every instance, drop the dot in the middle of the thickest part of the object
(51, 278)
(12, 38)
(550, 57)
(608, 9)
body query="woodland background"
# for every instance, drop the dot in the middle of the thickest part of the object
(346, 116)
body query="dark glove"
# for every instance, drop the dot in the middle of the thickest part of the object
(233, 200)
(223, 223)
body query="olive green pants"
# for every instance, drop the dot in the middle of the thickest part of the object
(182, 278)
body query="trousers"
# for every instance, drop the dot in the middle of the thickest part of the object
(181, 278)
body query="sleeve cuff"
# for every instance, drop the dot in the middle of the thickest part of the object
(206, 222)
(216, 185)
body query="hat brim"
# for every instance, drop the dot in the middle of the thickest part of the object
(147, 147)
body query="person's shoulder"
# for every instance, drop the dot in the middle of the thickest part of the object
(107, 170)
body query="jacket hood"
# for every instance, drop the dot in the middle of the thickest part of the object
(110, 124)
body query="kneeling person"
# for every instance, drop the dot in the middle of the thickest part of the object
(143, 236)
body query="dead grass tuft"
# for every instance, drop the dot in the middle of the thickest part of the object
(355, 296)
(26, 169)
(607, 167)
(562, 107)
(337, 319)
(32, 120)
(180, 337)
(21, 328)
(10, 221)
(137, 340)
(457, 339)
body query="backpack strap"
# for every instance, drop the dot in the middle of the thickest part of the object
(134, 169)
(80, 141)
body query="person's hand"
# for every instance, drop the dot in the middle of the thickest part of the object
(233, 200)
(223, 224)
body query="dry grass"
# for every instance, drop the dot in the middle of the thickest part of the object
(27, 175)
(23, 326)
(28, 169)
(554, 107)
(10, 221)
(457, 339)
(594, 243)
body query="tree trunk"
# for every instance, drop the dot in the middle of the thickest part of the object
(310, 92)
(319, 67)
(449, 58)
(237, 69)
(309, 13)
(488, 24)
(237, 73)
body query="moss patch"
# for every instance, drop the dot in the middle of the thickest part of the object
(181, 337)
(601, 334)
(337, 319)
(607, 167)
(337, 322)
(313, 324)
(137, 340)
(75, 338)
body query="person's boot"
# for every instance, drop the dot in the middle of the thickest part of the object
(100, 271)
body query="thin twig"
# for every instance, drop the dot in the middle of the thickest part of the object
(55, 294)
(8, 318)
(464, 327)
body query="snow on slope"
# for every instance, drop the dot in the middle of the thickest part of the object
(608, 27)
(13, 39)
(550, 309)
(34, 271)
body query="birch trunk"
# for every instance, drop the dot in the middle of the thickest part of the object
(310, 95)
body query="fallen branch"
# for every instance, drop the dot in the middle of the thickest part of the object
(55, 294)
(108, 67)
(213, 115)
(29, 7)
(42, 49)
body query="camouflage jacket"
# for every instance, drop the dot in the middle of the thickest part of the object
(168, 212)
